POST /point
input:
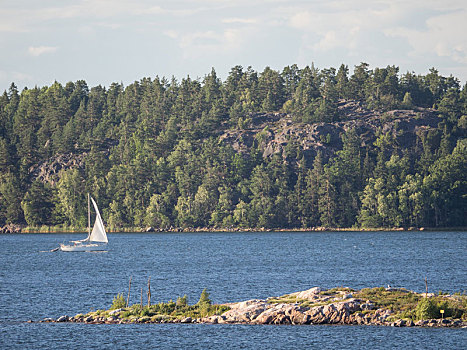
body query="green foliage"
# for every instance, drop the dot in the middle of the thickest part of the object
(182, 301)
(118, 302)
(170, 310)
(398, 301)
(204, 298)
(427, 309)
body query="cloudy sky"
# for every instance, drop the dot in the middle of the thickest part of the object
(105, 41)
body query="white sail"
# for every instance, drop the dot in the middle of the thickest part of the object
(98, 233)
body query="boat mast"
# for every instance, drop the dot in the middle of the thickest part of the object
(89, 217)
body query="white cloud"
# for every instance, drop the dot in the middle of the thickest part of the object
(171, 34)
(202, 43)
(417, 33)
(343, 28)
(239, 20)
(13, 76)
(444, 35)
(40, 50)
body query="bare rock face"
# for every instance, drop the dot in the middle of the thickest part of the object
(282, 314)
(310, 294)
(49, 171)
(260, 312)
(245, 311)
(275, 132)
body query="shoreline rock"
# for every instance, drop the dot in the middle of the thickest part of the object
(11, 228)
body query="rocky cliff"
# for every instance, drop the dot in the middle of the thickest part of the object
(278, 133)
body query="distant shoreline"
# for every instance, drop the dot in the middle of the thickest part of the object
(57, 229)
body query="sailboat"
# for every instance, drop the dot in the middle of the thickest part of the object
(96, 239)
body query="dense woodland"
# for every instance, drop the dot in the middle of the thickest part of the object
(150, 153)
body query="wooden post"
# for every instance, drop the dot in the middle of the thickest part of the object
(141, 297)
(426, 288)
(149, 291)
(129, 288)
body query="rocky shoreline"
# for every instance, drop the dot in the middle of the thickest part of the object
(311, 307)
(14, 228)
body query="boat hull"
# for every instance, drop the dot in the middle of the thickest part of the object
(82, 247)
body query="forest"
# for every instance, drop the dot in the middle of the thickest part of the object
(151, 153)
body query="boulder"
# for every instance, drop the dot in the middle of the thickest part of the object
(309, 294)
(297, 315)
(316, 315)
(398, 323)
(115, 312)
(63, 319)
(11, 228)
(245, 311)
(186, 320)
(214, 319)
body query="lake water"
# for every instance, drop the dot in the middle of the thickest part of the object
(232, 266)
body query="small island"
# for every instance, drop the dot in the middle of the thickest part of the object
(397, 307)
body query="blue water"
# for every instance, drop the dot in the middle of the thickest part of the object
(233, 266)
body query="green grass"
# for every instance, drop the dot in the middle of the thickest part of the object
(168, 311)
(403, 303)
(337, 290)
(408, 305)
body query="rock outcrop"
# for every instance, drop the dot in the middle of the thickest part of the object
(49, 171)
(279, 133)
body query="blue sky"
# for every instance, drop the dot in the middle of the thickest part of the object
(105, 41)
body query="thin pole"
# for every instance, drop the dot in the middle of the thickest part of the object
(141, 297)
(426, 287)
(129, 288)
(149, 291)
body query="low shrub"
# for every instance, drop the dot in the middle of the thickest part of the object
(426, 309)
(118, 302)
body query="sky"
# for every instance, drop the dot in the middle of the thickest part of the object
(106, 41)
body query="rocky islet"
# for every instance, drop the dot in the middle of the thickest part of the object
(311, 307)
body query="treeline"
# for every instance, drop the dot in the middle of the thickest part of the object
(150, 152)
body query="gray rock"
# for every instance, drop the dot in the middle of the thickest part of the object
(398, 323)
(281, 130)
(367, 306)
(309, 294)
(245, 311)
(63, 319)
(115, 312)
